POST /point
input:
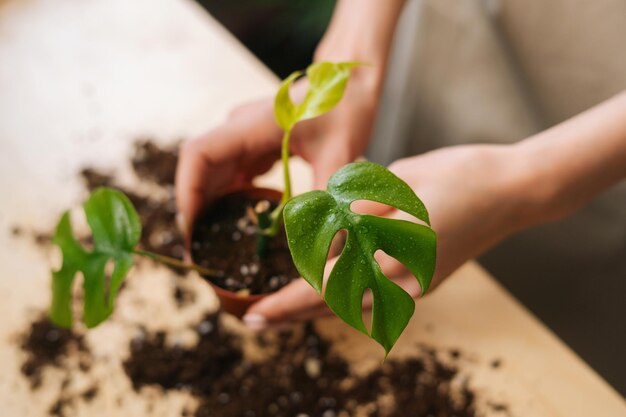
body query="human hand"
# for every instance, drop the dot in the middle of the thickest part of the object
(473, 194)
(248, 143)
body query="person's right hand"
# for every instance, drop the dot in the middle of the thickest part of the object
(248, 143)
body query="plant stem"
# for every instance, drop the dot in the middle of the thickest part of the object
(277, 215)
(176, 263)
(286, 173)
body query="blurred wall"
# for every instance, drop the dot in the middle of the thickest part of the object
(497, 72)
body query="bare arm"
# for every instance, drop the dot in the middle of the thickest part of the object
(574, 161)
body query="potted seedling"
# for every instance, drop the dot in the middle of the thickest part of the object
(254, 241)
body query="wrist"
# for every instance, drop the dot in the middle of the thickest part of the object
(361, 30)
(537, 184)
(518, 193)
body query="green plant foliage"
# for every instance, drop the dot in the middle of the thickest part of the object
(116, 230)
(327, 83)
(313, 219)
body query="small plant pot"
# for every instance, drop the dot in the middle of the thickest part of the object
(221, 255)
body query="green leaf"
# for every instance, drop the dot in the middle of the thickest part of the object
(327, 83)
(284, 108)
(116, 230)
(313, 219)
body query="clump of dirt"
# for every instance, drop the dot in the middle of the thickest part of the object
(303, 377)
(225, 240)
(184, 296)
(158, 218)
(419, 387)
(93, 179)
(154, 362)
(155, 164)
(60, 406)
(46, 345)
(39, 238)
(89, 394)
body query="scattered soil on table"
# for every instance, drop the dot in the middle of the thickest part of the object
(183, 296)
(224, 239)
(156, 213)
(496, 363)
(152, 362)
(89, 394)
(155, 164)
(303, 377)
(46, 345)
(499, 408)
(93, 179)
(158, 218)
(60, 406)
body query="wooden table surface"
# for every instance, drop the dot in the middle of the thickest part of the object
(80, 80)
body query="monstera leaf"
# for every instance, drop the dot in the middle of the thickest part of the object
(116, 230)
(313, 219)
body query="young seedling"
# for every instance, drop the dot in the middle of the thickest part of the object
(311, 221)
(116, 230)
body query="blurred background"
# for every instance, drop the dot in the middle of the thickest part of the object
(281, 33)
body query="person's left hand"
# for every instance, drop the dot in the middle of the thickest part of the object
(476, 195)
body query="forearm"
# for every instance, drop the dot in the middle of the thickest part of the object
(572, 162)
(361, 30)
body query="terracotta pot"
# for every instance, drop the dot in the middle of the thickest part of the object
(231, 302)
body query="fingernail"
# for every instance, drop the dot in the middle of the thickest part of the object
(182, 223)
(255, 322)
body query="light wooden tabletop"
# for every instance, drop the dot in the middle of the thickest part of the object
(79, 81)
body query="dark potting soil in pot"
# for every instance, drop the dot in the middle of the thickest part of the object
(224, 239)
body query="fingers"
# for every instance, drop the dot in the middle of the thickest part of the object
(222, 158)
(205, 165)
